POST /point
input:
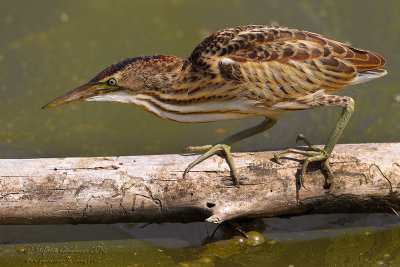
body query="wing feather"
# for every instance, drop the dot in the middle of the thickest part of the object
(300, 62)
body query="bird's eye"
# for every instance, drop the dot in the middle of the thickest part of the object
(112, 81)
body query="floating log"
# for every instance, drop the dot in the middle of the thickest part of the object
(151, 188)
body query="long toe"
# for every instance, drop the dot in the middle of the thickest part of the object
(209, 151)
(311, 156)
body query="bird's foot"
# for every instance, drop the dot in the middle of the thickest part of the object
(314, 155)
(209, 150)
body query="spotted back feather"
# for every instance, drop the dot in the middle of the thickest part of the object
(298, 62)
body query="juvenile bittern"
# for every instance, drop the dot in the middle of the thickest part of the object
(241, 72)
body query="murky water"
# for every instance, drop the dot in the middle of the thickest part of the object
(50, 47)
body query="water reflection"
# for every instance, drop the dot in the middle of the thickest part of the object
(309, 227)
(179, 235)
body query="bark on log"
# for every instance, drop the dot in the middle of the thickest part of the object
(151, 188)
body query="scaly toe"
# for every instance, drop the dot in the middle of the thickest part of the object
(210, 150)
(196, 149)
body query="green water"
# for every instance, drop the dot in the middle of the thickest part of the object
(49, 47)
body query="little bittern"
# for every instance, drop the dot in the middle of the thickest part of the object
(241, 72)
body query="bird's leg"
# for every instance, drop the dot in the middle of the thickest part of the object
(323, 155)
(225, 146)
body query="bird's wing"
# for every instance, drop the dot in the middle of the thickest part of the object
(287, 62)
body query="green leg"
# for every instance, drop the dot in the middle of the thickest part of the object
(225, 147)
(323, 155)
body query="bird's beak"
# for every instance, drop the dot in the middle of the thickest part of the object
(82, 92)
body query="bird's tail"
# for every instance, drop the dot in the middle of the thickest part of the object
(365, 76)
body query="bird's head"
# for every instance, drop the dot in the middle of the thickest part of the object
(122, 81)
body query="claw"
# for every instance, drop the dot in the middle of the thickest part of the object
(209, 151)
(329, 171)
(186, 171)
(323, 155)
(311, 157)
(224, 146)
(276, 157)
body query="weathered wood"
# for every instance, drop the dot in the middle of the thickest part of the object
(151, 188)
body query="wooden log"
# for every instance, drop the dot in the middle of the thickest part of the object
(151, 188)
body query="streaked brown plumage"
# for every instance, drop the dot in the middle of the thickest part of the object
(246, 71)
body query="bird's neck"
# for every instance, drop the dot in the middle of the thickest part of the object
(164, 73)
